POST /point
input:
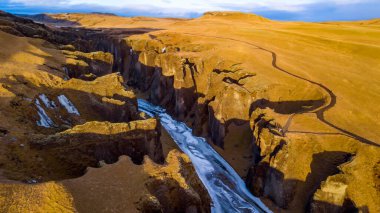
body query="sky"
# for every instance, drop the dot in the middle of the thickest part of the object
(300, 10)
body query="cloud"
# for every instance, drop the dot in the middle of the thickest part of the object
(327, 11)
(184, 5)
(284, 10)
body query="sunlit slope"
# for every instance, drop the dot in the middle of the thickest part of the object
(104, 20)
(342, 56)
(30, 67)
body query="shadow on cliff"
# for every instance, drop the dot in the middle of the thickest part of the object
(85, 40)
(296, 195)
(287, 107)
(50, 21)
(182, 102)
(264, 180)
(175, 198)
(74, 153)
(65, 156)
(69, 155)
(93, 106)
(70, 159)
(22, 27)
(108, 40)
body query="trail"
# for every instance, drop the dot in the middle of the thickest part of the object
(319, 112)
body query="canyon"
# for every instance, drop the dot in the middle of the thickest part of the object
(292, 107)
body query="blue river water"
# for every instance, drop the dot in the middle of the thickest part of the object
(227, 190)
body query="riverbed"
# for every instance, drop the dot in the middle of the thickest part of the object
(227, 190)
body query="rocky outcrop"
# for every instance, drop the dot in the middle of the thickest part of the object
(175, 188)
(211, 94)
(135, 139)
(332, 197)
(75, 124)
(88, 65)
(88, 144)
(127, 186)
(103, 99)
(23, 27)
(46, 19)
(73, 127)
(219, 98)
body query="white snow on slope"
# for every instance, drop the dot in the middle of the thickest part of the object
(48, 103)
(68, 105)
(45, 120)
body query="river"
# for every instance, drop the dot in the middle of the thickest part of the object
(227, 190)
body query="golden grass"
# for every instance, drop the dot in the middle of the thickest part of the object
(344, 56)
(39, 198)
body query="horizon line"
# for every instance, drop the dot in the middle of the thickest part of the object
(177, 17)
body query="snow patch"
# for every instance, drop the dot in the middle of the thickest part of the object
(28, 99)
(66, 77)
(32, 181)
(45, 120)
(48, 103)
(66, 70)
(68, 105)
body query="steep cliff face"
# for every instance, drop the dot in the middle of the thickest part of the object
(55, 128)
(23, 27)
(254, 93)
(191, 87)
(88, 144)
(88, 65)
(219, 99)
(150, 187)
(63, 114)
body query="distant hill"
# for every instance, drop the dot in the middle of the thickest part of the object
(106, 14)
(234, 15)
(371, 22)
(46, 19)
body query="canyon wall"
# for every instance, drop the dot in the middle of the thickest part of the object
(267, 121)
(71, 131)
(290, 172)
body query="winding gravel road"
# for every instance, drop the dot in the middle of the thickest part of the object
(319, 112)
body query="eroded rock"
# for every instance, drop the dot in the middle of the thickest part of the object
(107, 141)
(83, 65)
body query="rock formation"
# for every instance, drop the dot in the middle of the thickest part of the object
(88, 65)
(258, 92)
(67, 118)
(216, 95)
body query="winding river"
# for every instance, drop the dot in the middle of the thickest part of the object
(227, 190)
